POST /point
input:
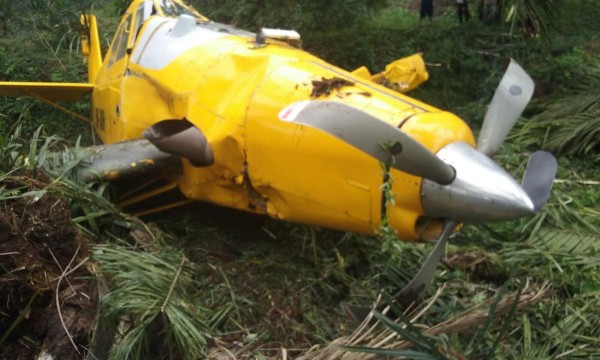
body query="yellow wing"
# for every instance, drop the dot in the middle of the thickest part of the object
(47, 91)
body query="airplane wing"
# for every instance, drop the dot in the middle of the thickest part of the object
(47, 91)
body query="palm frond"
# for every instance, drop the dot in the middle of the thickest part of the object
(394, 338)
(539, 13)
(561, 213)
(566, 329)
(569, 125)
(153, 291)
(567, 241)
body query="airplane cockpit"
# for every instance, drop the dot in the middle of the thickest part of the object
(175, 8)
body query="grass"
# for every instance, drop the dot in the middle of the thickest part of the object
(216, 282)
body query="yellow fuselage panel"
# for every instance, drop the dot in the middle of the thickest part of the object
(233, 90)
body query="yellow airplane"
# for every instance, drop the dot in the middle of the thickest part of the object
(252, 122)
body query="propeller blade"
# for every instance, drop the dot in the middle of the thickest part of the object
(370, 135)
(539, 177)
(509, 101)
(416, 287)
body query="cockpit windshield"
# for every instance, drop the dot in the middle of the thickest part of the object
(176, 8)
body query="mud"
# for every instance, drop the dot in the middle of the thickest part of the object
(325, 86)
(479, 266)
(39, 248)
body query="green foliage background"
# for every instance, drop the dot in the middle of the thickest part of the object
(262, 284)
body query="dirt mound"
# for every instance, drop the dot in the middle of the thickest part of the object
(42, 270)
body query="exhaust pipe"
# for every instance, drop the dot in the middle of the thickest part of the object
(181, 138)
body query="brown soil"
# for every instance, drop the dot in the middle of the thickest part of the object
(39, 246)
(478, 265)
(327, 86)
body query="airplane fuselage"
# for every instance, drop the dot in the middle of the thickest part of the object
(232, 88)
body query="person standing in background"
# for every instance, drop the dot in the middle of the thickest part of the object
(426, 9)
(490, 10)
(462, 8)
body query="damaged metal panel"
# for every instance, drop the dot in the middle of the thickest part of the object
(127, 160)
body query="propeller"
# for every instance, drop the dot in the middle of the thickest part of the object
(416, 287)
(509, 101)
(538, 178)
(474, 188)
(359, 129)
(535, 189)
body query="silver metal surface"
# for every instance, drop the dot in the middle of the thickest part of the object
(181, 138)
(416, 288)
(368, 134)
(509, 101)
(539, 177)
(420, 283)
(482, 191)
(125, 160)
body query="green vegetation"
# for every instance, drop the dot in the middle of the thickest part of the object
(215, 283)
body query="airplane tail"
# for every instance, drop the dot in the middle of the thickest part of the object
(90, 45)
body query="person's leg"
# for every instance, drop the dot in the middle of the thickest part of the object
(430, 9)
